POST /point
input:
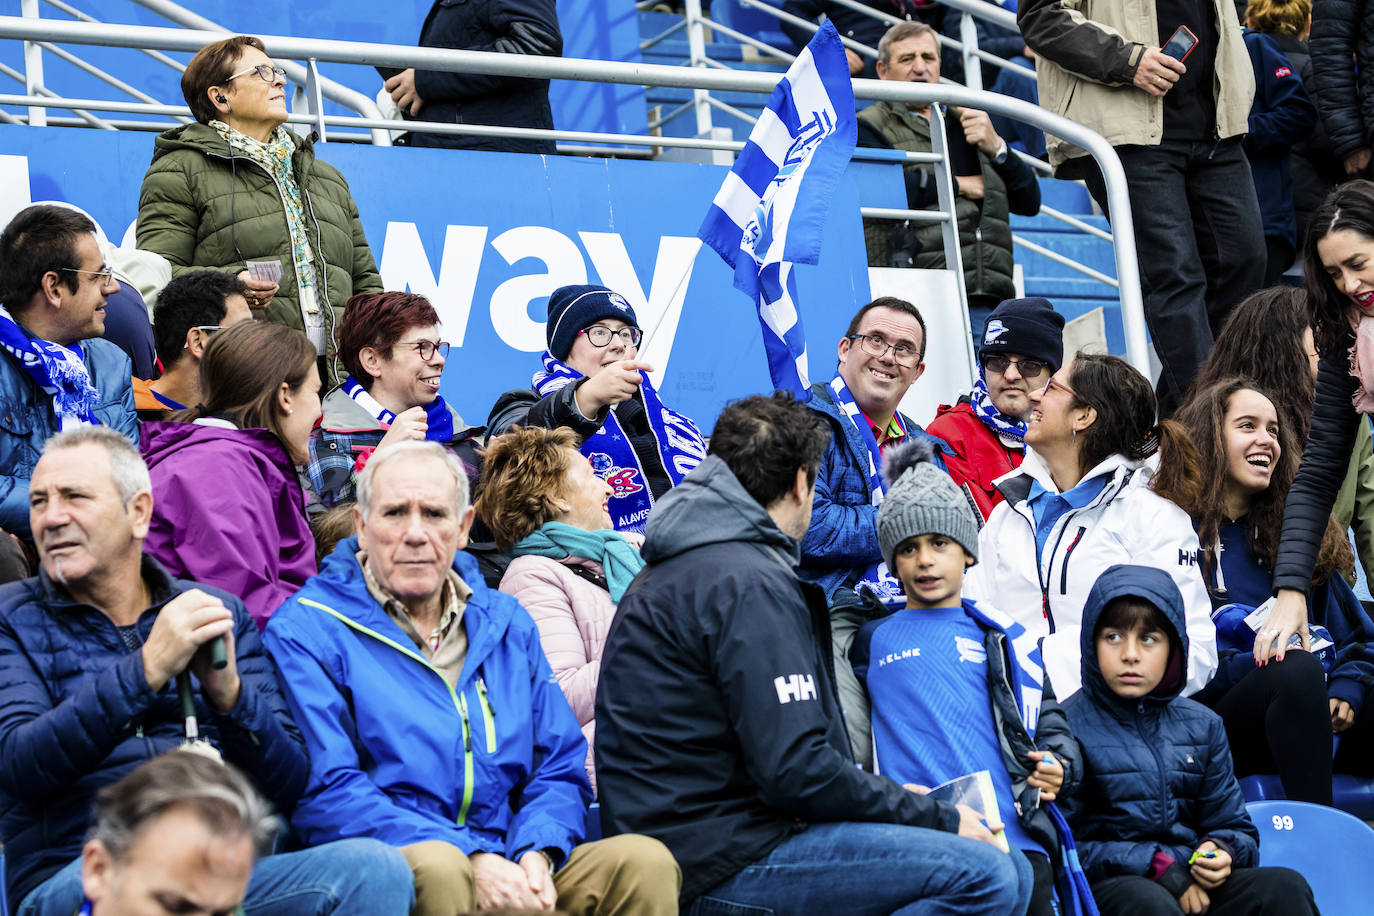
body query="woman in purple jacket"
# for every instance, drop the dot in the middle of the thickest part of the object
(228, 508)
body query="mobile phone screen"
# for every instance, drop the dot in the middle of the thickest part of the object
(1180, 44)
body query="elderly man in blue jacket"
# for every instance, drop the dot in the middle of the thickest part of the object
(91, 650)
(433, 719)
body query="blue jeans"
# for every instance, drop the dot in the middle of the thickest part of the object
(874, 870)
(349, 877)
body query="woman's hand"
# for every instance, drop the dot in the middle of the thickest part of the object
(1342, 715)
(1288, 617)
(260, 292)
(409, 426)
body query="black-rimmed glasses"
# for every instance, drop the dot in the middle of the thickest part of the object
(600, 335)
(875, 345)
(427, 348)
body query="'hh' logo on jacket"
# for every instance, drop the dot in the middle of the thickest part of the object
(798, 687)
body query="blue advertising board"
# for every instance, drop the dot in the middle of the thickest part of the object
(487, 236)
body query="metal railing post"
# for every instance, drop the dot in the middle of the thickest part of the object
(696, 49)
(314, 99)
(968, 37)
(33, 67)
(948, 195)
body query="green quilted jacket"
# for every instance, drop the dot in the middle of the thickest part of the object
(199, 209)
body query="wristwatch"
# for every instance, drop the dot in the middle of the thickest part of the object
(1001, 156)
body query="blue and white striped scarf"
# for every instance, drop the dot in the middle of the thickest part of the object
(877, 578)
(60, 371)
(1001, 425)
(438, 418)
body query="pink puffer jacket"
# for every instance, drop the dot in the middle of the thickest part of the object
(574, 615)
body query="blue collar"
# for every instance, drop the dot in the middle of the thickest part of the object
(1077, 497)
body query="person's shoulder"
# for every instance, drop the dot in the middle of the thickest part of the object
(20, 601)
(1182, 709)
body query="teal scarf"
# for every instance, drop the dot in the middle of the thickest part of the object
(557, 541)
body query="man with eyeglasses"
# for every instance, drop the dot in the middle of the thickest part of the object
(1023, 345)
(882, 354)
(55, 372)
(189, 309)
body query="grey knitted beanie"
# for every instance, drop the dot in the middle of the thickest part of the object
(922, 499)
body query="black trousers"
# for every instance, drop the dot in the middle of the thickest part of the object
(1248, 892)
(1200, 244)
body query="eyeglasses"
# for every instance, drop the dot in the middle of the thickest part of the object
(875, 345)
(267, 72)
(600, 335)
(105, 273)
(1028, 368)
(427, 348)
(207, 328)
(1052, 383)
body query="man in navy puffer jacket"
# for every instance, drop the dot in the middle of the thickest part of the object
(1160, 819)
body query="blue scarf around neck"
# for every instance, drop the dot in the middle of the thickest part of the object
(438, 418)
(60, 371)
(877, 578)
(1001, 425)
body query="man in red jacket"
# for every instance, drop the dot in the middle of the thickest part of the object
(1023, 345)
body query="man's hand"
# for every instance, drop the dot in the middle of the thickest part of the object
(403, 92)
(1342, 715)
(187, 622)
(1211, 873)
(613, 383)
(856, 63)
(260, 292)
(500, 882)
(409, 425)
(971, 825)
(979, 132)
(1157, 72)
(1194, 901)
(970, 186)
(1047, 774)
(1357, 163)
(220, 686)
(536, 866)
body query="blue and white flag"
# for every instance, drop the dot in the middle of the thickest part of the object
(769, 213)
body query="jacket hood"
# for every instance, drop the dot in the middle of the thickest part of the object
(711, 506)
(203, 138)
(1156, 587)
(159, 439)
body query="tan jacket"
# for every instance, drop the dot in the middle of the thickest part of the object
(1087, 52)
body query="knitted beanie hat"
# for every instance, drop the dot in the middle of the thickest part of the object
(922, 499)
(1027, 327)
(572, 308)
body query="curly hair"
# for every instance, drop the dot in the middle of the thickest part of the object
(523, 470)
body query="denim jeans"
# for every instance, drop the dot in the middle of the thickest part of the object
(349, 877)
(874, 870)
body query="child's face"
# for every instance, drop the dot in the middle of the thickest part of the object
(1132, 661)
(931, 567)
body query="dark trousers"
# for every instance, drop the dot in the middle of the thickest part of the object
(1042, 892)
(1248, 892)
(1200, 244)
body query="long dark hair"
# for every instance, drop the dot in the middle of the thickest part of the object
(1349, 206)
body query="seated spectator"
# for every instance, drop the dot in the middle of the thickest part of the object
(182, 830)
(548, 509)
(1083, 494)
(992, 182)
(391, 348)
(230, 509)
(89, 651)
(881, 356)
(53, 374)
(1280, 716)
(1157, 838)
(189, 309)
(1023, 344)
(1280, 117)
(396, 655)
(330, 527)
(594, 384)
(718, 724)
(957, 688)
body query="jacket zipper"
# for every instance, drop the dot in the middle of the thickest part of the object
(1159, 762)
(459, 702)
(488, 715)
(1064, 567)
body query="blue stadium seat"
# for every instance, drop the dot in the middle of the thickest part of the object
(1330, 848)
(1351, 794)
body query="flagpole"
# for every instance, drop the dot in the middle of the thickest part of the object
(682, 281)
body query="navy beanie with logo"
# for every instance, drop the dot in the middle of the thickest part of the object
(572, 308)
(1026, 327)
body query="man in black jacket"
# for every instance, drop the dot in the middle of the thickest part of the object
(719, 730)
(1342, 46)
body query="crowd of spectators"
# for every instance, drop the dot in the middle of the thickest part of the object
(768, 653)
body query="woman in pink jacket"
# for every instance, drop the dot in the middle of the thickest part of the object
(548, 508)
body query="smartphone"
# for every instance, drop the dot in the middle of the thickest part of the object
(1180, 44)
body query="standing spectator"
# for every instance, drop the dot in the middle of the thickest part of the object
(548, 508)
(593, 382)
(1177, 128)
(230, 509)
(718, 725)
(189, 310)
(1023, 345)
(1342, 47)
(53, 373)
(1280, 117)
(506, 26)
(237, 186)
(992, 182)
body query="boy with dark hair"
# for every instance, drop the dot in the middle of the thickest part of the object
(189, 309)
(1160, 819)
(956, 688)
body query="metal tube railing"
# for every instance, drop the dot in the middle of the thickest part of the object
(1067, 262)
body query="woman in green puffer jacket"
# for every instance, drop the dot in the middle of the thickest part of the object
(237, 187)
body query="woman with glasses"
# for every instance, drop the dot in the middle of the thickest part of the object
(1023, 343)
(593, 383)
(1082, 502)
(228, 509)
(392, 349)
(237, 187)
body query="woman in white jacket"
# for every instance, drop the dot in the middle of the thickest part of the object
(1080, 503)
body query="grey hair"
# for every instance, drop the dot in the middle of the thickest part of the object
(219, 795)
(908, 28)
(126, 464)
(415, 449)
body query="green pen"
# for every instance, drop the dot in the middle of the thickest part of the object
(1210, 854)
